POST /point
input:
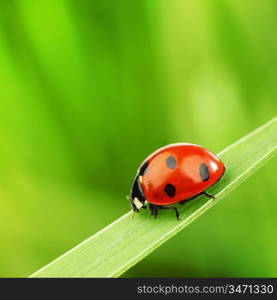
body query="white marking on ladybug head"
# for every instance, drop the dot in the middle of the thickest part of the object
(140, 179)
(137, 203)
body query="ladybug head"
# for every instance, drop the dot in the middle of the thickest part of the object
(137, 198)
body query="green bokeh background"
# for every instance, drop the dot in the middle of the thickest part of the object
(89, 88)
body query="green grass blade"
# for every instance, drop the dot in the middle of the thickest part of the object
(117, 247)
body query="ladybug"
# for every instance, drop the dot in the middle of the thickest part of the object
(174, 174)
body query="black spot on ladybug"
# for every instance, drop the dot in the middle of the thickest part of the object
(143, 168)
(171, 162)
(204, 172)
(170, 190)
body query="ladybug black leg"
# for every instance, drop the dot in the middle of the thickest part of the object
(208, 195)
(203, 193)
(154, 210)
(171, 207)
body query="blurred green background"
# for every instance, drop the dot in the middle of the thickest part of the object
(89, 88)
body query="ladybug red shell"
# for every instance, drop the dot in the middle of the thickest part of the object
(174, 174)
